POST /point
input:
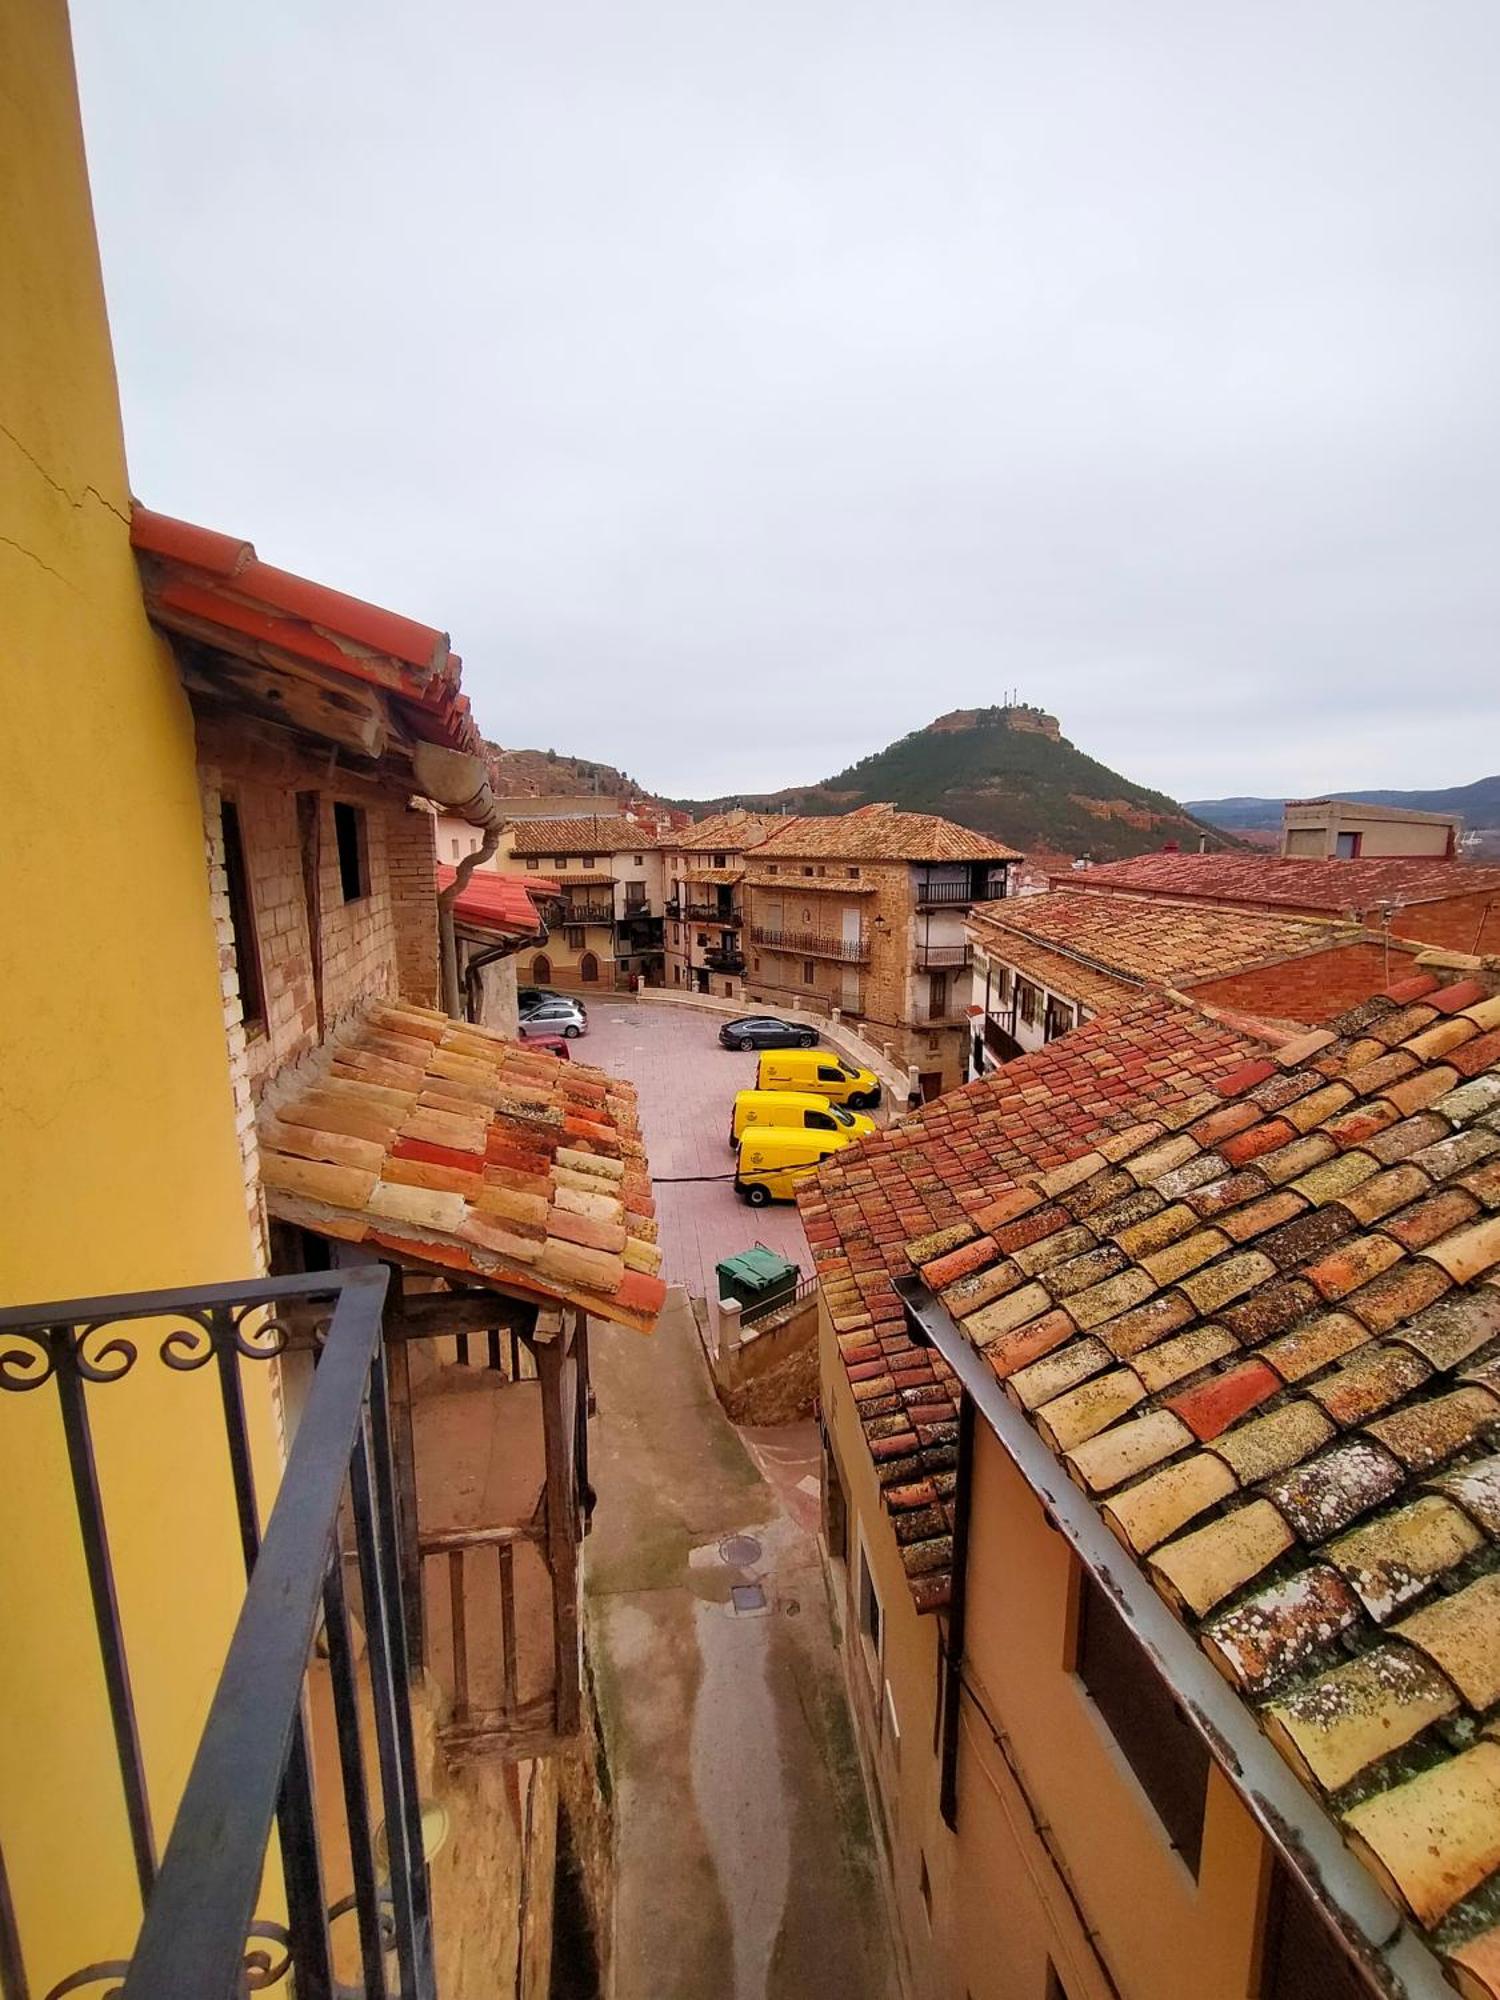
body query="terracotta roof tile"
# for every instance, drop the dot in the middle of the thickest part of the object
(478, 1155)
(1286, 1400)
(544, 839)
(1336, 888)
(880, 833)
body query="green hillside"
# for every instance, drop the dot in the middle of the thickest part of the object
(1010, 772)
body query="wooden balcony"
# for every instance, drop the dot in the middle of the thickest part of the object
(942, 958)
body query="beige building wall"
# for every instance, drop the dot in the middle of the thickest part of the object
(1059, 1869)
(1325, 830)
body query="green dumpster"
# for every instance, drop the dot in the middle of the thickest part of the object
(760, 1277)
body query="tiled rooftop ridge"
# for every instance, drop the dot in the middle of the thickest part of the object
(1263, 1335)
(954, 1166)
(1289, 882)
(881, 833)
(584, 835)
(456, 1150)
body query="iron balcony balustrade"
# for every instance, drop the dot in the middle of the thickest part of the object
(813, 944)
(588, 913)
(942, 957)
(946, 895)
(724, 961)
(202, 1937)
(696, 911)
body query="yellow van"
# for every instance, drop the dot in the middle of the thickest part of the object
(774, 1160)
(821, 1072)
(798, 1109)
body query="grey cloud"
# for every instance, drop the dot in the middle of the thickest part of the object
(745, 385)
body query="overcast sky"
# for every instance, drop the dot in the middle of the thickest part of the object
(745, 385)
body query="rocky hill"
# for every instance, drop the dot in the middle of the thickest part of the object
(549, 773)
(1006, 771)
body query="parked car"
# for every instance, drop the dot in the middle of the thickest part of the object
(529, 998)
(822, 1072)
(774, 1160)
(766, 1031)
(556, 1015)
(554, 1045)
(798, 1109)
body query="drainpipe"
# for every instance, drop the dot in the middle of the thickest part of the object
(480, 960)
(460, 782)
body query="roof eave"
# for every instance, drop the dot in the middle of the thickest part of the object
(1346, 1896)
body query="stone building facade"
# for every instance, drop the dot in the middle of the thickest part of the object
(703, 868)
(862, 914)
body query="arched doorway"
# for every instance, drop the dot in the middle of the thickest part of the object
(588, 968)
(541, 970)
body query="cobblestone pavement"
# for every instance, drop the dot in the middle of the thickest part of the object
(687, 1085)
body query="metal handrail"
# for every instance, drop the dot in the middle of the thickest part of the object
(200, 1938)
(812, 944)
(943, 957)
(755, 1314)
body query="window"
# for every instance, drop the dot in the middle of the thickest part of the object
(1347, 846)
(1004, 980)
(1031, 1002)
(853, 873)
(586, 860)
(1160, 1746)
(455, 850)
(573, 936)
(809, 972)
(559, 861)
(937, 995)
(772, 869)
(640, 862)
(718, 860)
(541, 969)
(588, 968)
(867, 1609)
(807, 868)
(354, 859)
(242, 921)
(819, 1121)
(821, 869)
(1302, 1959)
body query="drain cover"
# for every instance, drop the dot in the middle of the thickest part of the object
(748, 1597)
(739, 1551)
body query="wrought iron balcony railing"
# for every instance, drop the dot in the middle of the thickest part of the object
(699, 912)
(202, 1934)
(588, 913)
(812, 944)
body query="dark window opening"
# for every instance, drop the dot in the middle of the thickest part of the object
(354, 864)
(1160, 1746)
(1302, 1959)
(242, 920)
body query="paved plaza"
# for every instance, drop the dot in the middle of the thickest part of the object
(687, 1085)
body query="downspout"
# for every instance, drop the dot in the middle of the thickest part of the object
(493, 952)
(460, 782)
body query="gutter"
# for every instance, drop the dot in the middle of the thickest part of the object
(460, 782)
(1359, 1913)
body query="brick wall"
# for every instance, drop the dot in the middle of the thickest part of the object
(1311, 989)
(234, 1013)
(370, 945)
(1462, 923)
(411, 851)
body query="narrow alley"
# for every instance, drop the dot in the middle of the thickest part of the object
(744, 1852)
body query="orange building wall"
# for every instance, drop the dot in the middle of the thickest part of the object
(1058, 1858)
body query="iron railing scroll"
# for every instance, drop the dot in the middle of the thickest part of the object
(201, 1937)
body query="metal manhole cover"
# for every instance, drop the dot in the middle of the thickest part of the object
(739, 1551)
(748, 1597)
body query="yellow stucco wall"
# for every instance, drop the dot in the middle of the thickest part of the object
(118, 1162)
(1058, 1856)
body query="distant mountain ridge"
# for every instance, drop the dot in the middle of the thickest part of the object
(1004, 771)
(1478, 805)
(549, 773)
